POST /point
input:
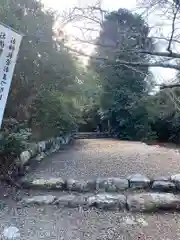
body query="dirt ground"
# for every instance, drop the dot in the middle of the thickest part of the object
(88, 159)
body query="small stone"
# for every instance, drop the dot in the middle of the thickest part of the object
(81, 185)
(112, 184)
(41, 146)
(129, 221)
(49, 199)
(163, 186)
(142, 222)
(72, 201)
(24, 157)
(40, 156)
(146, 202)
(33, 149)
(51, 183)
(11, 233)
(139, 181)
(176, 179)
(107, 201)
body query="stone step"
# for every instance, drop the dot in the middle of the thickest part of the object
(91, 135)
(141, 202)
(113, 184)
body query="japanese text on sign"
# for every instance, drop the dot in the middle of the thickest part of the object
(9, 47)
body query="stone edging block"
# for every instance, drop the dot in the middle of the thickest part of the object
(108, 201)
(149, 202)
(144, 202)
(80, 185)
(113, 185)
(139, 181)
(164, 186)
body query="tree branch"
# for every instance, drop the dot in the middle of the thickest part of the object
(162, 54)
(120, 62)
(165, 39)
(157, 64)
(158, 54)
(169, 86)
(173, 29)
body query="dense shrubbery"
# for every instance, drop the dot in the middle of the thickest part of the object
(43, 90)
(164, 116)
(14, 137)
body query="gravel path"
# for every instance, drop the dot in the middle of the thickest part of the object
(87, 159)
(51, 223)
(110, 158)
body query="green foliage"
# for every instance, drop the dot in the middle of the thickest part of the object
(51, 114)
(91, 119)
(125, 101)
(44, 90)
(90, 93)
(13, 139)
(164, 116)
(55, 94)
(123, 87)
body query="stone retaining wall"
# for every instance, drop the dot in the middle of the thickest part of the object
(37, 151)
(133, 182)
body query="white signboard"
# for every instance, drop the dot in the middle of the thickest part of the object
(9, 47)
